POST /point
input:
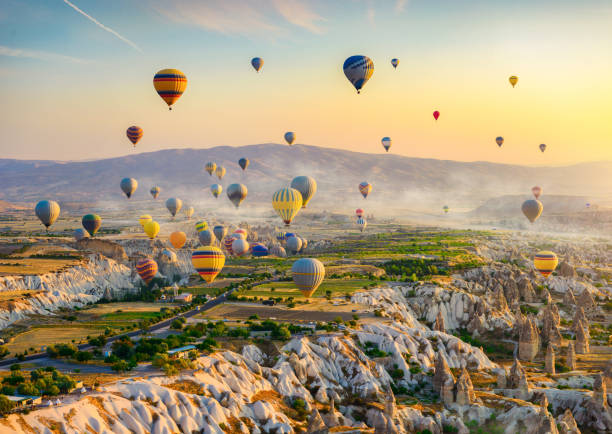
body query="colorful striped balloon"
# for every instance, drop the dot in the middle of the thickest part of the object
(287, 202)
(147, 269)
(210, 167)
(365, 188)
(259, 250)
(134, 133)
(208, 262)
(545, 262)
(144, 219)
(308, 273)
(91, 223)
(227, 243)
(201, 226)
(170, 85)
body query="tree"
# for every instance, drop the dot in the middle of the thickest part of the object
(120, 366)
(52, 391)
(28, 389)
(6, 405)
(176, 324)
(83, 356)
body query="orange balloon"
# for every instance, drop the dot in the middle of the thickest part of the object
(178, 239)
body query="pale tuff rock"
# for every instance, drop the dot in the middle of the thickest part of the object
(549, 361)
(599, 391)
(569, 299)
(517, 379)
(582, 342)
(580, 321)
(444, 380)
(527, 419)
(550, 325)
(464, 389)
(599, 413)
(499, 299)
(586, 302)
(567, 424)
(529, 339)
(107, 248)
(608, 374)
(439, 324)
(391, 301)
(566, 270)
(543, 402)
(512, 293)
(526, 290)
(546, 298)
(316, 424)
(570, 358)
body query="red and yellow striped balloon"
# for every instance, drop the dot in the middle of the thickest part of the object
(170, 85)
(147, 269)
(545, 262)
(208, 262)
(134, 133)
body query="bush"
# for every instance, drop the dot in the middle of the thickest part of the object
(83, 356)
(6, 405)
(176, 324)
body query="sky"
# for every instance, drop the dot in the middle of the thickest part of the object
(75, 74)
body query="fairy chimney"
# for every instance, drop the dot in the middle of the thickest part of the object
(569, 299)
(570, 358)
(464, 389)
(549, 361)
(529, 339)
(439, 324)
(443, 380)
(582, 342)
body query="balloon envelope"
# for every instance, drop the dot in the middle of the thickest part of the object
(294, 244)
(436, 114)
(144, 219)
(47, 212)
(290, 137)
(537, 191)
(216, 189)
(365, 188)
(79, 234)
(386, 142)
(307, 186)
(206, 237)
(545, 262)
(287, 202)
(259, 250)
(169, 255)
(240, 246)
(147, 269)
(201, 226)
(499, 140)
(151, 229)
(359, 212)
(208, 262)
(155, 192)
(178, 239)
(170, 85)
(513, 79)
(358, 70)
(220, 232)
(278, 251)
(361, 224)
(220, 172)
(174, 205)
(189, 212)
(134, 134)
(395, 62)
(227, 243)
(542, 147)
(243, 163)
(532, 209)
(237, 193)
(257, 63)
(308, 273)
(91, 223)
(129, 186)
(210, 167)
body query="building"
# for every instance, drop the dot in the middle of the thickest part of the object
(185, 297)
(181, 352)
(24, 401)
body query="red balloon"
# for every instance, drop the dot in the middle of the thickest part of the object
(436, 114)
(359, 212)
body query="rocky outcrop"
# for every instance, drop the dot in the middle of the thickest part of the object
(569, 299)
(517, 379)
(529, 339)
(107, 248)
(549, 361)
(439, 324)
(580, 321)
(567, 424)
(587, 303)
(570, 358)
(582, 342)
(444, 380)
(566, 270)
(550, 325)
(464, 390)
(526, 290)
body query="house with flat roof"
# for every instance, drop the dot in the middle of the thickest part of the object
(185, 297)
(181, 352)
(24, 400)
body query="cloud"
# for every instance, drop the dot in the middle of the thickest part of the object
(241, 17)
(40, 55)
(371, 14)
(103, 27)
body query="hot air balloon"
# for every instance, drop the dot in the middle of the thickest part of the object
(542, 147)
(47, 211)
(436, 114)
(545, 262)
(445, 208)
(359, 212)
(290, 137)
(91, 223)
(358, 70)
(206, 237)
(144, 219)
(386, 142)
(147, 269)
(241, 231)
(189, 212)
(155, 192)
(365, 188)
(513, 79)
(361, 224)
(170, 85)
(278, 251)
(294, 244)
(210, 167)
(287, 202)
(134, 133)
(499, 140)
(280, 236)
(259, 250)
(220, 172)
(169, 255)
(151, 229)
(178, 239)
(237, 193)
(227, 243)
(588, 205)
(307, 186)
(79, 234)
(304, 244)
(308, 273)
(129, 186)
(532, 209)
(174, 205)
(244, 163)
(289, 235)
(216, 189)
(240, 247)
(257, 63)
(208, 262)
(537, 191)
(239, 235)
(395, 62)
(220, 232)
(201, 226)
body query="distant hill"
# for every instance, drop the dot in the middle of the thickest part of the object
(398, 181)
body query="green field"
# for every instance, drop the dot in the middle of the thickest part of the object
(338, 287)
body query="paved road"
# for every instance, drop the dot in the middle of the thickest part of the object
(166, 323)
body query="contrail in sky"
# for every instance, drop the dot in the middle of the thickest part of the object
(102, 26)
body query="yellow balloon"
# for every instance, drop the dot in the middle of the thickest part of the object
(178, 239)
(144, 219)
(151, 229)
(170, 85)
(208, 262)
(545, 262)
(513, 80)
(287, 202)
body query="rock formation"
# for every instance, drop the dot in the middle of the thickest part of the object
(570, 358)
(443, 380)
(316, 424)
(108, 248)
(464, 389)
(546, 298)
(517, 379)
(439, 324)
(586, 302)
(580, 321)
(567, 424)
(526, 290)
(549, 361)
(568, 299)
(566, 270)
(529, 339)
(582, 342)
(550, 325)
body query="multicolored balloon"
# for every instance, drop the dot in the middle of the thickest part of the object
(532, 209)
(257, 63)
(259, 250)
(545, 262)
(210, 167)
(146, 269)
(542, 147)
(170, 85)
(513, 79)
(216, 189)
(91, 223)
(237, 193)
(537, 191)
(287, 202)
(240, 246)
(144, 219)
(174, 205)
(208, 262)
(155, 192)
(278, 251)
(220, 232)
(128, 186)
(358, 70)
(220, 172)
(395, 62)
(445, 208)
(244, 163)
(359, 212)
(499, 140)
(201, 226)
(178, 239)
(134, 134)
(206, 237)
(365, 188)
(290, 137)
(307, 186)
(361, 224)
(79, 234)
(386, 142)
(47, 212)
(308, 273)
(151, 229)
(242, 231)
(227, 243)
(189, 212)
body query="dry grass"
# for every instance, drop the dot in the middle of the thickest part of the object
(186, 386)
(17, 295)
(34, 266)
(40, 336)
(138, 306)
